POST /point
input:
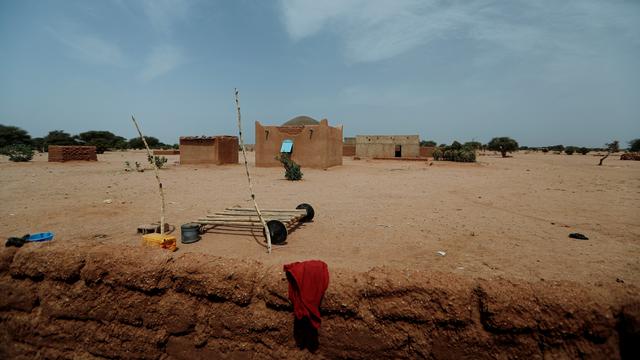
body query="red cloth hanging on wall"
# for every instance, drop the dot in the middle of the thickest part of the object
(308, 280)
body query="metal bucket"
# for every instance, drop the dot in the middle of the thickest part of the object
(190, 233)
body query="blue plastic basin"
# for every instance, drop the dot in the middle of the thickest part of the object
(43, 236)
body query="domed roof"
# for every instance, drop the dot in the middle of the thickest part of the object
(301, 120)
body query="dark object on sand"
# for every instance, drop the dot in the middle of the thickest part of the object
(154, 228)
(277, 231)
(16, 241)
(578, 236)
(190, 233)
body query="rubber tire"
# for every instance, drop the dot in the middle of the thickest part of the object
(310, 212)
(278, 232)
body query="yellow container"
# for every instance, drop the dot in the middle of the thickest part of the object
(163, 241)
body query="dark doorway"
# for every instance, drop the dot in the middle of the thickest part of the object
(398, 150)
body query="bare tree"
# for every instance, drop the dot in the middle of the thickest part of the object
(611, 148)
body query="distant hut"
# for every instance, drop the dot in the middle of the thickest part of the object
(209, 150)
(388, 146)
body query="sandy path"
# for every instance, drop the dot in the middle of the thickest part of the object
(508, 217)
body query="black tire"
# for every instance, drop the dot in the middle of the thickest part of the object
(310, 212)
(278, 232)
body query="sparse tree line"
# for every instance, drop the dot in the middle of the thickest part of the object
(467, 152)
(19, 145)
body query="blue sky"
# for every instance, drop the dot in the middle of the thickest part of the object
(543, 72)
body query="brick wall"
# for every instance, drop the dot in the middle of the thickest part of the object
(166, 152)
(348, 150)
(426, 151)
(72, 153)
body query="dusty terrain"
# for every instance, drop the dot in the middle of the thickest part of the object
(500, 217)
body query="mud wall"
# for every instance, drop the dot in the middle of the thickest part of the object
(166, 152)
(142, 303)
(314, 146)
(72, 153)
(426, 151)
(348, 150)
(209, 150)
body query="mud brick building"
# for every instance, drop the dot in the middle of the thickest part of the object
(72, 153)
(209, 150)
(388, 146)
(314, 144)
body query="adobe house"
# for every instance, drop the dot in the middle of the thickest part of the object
(388, 146)
(311, 143)
(209, 150)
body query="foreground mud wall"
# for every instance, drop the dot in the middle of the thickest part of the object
(116, 302)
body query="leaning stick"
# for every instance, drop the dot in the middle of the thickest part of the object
(155, 168)
(246, 167)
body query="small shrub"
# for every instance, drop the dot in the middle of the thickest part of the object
(455, 152)
(545, 150)
(18, 153)
(159, 161)
(291, 169)
(437, 154)
(583, 150)
(467, 155)
(569, 151)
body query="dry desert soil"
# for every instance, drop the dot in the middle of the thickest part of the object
(498, 217)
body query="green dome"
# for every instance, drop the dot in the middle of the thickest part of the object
(301, 120)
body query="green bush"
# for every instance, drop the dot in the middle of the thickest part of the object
(455, 152)
(437, 154)
(18, 153)
(569, 150)
(583, 150)
(503, 144)
(159, 160)
(12, 135)
(291, 169)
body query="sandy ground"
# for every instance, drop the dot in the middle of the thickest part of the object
(500, 217)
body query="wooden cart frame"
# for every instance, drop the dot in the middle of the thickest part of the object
(279, 221)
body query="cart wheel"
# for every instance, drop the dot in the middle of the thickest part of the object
(277, 230)
(310, 212)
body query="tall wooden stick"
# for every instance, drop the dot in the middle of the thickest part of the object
(246, 167)
(155, 168)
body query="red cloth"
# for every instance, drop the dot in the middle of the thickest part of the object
(308, 280)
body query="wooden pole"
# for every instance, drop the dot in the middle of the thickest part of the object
(246, 167)
(155, 168)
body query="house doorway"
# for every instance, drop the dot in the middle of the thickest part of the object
(398, 151)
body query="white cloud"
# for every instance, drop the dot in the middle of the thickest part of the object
(165, 14)
(373, 30)
(162, 60)
(90, 47)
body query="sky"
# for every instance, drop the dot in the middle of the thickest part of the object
(543, 72)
